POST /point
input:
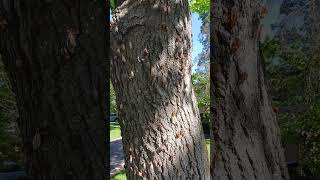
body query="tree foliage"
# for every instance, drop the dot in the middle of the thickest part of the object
(303, 128)
(113, 5)
(10, 143)
(200, 6)
(201, 86)
(203, 59)
(200, 79)
(287, 58)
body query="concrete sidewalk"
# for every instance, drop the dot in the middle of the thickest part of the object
(116, 156)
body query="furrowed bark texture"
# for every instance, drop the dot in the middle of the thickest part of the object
(245, 135)
(55, 54)
(151, 73)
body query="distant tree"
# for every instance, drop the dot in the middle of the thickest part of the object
(204, 57)
(291, 70)
(200, 6)
(294, 78)
(201, 86)
(302, 33)
(202, 75)
(200, 83)
(10, 142)
(313, 75)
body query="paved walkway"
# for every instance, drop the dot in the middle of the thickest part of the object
(18, 175)
(116, 162)
(116, 156)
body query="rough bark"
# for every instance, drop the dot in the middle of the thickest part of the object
(245, 135)
(151, 74)
(55, 55)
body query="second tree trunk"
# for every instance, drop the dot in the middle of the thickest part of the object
(245, 135)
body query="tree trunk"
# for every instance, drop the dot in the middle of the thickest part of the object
(55, 53)
(245, 135)
(151, 74)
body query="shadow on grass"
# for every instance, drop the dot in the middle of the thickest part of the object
(121, 175)
(115, 131)
(114, 126)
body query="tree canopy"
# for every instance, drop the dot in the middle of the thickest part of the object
(200, 6)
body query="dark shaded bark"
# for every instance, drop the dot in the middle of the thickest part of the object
(151, 74)
(55, 54)
(245, 135)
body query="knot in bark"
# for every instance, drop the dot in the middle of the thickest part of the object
(3, 23)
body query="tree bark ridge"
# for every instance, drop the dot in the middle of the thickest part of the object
(245, 136)
(151, 73)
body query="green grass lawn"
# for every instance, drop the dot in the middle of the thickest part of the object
(114, 131)
(121, 175)
(208, 147)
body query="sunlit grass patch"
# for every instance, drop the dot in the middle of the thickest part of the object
(208, 147)
(114, 131)
(121, 175)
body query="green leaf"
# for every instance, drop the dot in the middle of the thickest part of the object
(113, 5)
(200, 6)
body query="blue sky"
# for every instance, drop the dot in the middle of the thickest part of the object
(196, 44)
